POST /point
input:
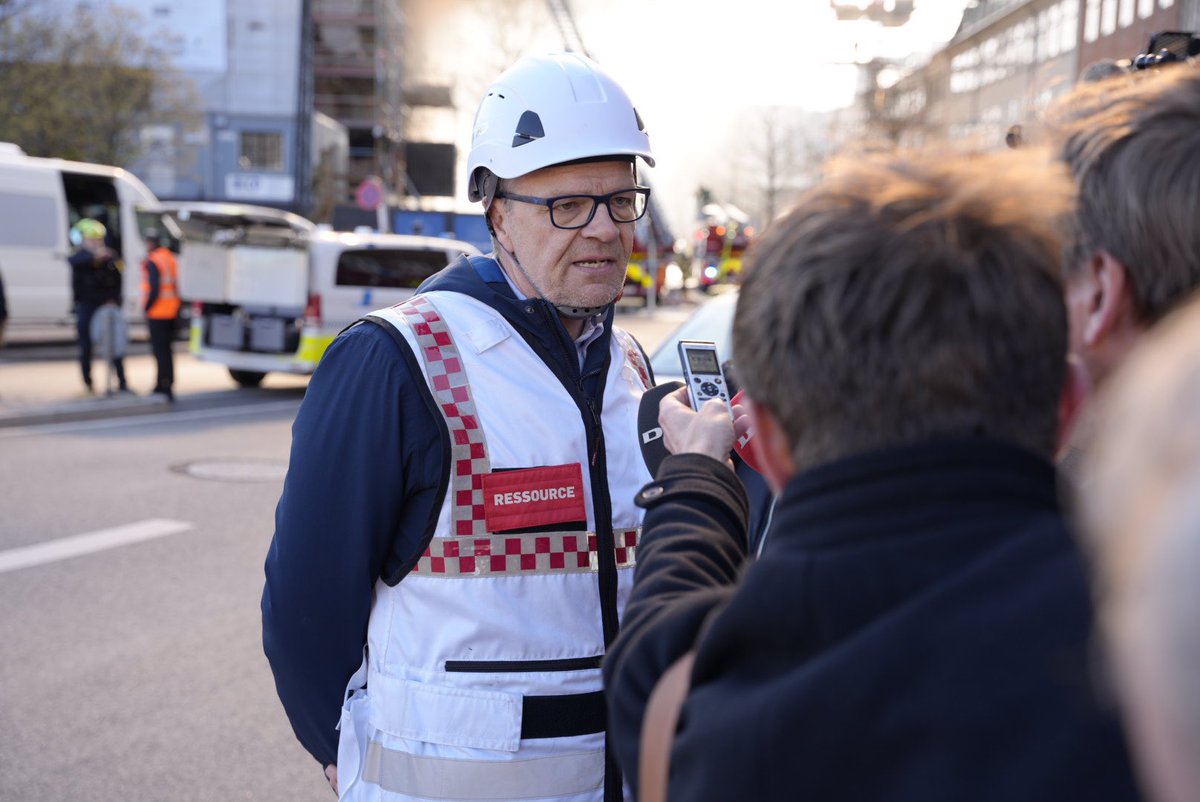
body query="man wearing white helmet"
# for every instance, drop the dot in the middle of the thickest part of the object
(456, 535)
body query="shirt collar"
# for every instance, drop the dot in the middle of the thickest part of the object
(593, 326)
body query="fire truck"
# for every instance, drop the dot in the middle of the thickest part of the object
(653, 252)
(721, 243)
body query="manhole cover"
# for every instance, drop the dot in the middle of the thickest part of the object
(234, 470)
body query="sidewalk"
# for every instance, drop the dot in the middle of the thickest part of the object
(52, 391)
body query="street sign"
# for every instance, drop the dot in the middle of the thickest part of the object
(369, 193)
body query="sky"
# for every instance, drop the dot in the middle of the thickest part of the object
(697, 68)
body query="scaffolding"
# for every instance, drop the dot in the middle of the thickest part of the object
(358, 81)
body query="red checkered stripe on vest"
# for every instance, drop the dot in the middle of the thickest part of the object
(528, 553)
(468, 450)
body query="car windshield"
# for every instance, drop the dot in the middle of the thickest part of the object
(712, 321)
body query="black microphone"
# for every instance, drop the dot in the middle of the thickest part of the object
(650, 434)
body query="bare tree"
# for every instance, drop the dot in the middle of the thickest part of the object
(779, 146)
(777, 155)
(11, 9)
(82, 87)
(516, 25)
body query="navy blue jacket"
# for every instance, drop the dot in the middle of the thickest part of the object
(94, 281)
(364, 485)
(917, 629)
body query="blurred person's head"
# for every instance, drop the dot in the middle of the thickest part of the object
(1140, 506)
(906, 298)
(1133, 146)
(1102, 70)
(89, 233)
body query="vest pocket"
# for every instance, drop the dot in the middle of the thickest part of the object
(465, 717)
(522, 666)
(353, 742)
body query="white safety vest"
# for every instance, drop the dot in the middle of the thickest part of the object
(480, 658)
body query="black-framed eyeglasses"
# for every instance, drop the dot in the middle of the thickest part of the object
(576, 211)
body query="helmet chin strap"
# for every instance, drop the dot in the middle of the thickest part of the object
(567, 311)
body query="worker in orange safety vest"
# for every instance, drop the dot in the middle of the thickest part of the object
(160, 296)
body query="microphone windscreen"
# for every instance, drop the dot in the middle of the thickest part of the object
(650, 435)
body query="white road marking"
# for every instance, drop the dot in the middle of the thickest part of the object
(89, 543)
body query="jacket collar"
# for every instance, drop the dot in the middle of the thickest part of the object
(482, 278)
(866, 496)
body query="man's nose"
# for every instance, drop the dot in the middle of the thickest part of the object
(601, 226)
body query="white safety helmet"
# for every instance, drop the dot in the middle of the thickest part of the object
(547, 110)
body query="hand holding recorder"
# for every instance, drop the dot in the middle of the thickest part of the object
(669, 423)
(689, 423)
(709, 431)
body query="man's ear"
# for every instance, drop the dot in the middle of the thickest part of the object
(1109, 300)
(772, 449)
(495, 213)
(1077, 387)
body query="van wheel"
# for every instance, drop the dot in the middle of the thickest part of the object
(247, 378)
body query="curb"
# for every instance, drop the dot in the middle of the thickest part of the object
(81, 410)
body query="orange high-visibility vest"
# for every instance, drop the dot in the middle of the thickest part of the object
(166, 306)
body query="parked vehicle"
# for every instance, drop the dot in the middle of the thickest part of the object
(652, 257)
(638, 279)
(711, 321)
(270, 290)
(40, 200)
(722, 249)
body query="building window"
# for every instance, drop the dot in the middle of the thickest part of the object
(1126, 18)
(1145, 8)
(964, 72)
(1166, 3)
(1091, 21)
(1108, 17)
(1070, 25)
(1025, 42)
(261, 150)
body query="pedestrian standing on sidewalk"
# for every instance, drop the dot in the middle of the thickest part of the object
(160, 296)
(95, 281)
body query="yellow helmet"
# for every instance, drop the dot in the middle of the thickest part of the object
(87, 228)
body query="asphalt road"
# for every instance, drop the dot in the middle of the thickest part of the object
(130, 570)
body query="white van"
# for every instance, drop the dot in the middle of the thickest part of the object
(40, 199)
(270, 291)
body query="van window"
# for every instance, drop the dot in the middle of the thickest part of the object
(96, 197)
(28, 221)
(164, 225)
(388, 267)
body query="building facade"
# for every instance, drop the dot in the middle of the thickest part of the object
(245, 70)
(1009, 59)
(358, 80)
(1121, 29)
